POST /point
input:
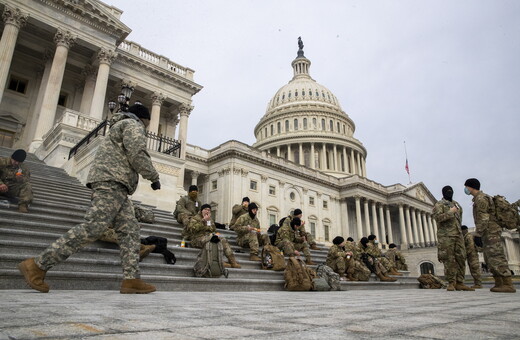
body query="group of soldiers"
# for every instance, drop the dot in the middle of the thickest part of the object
(456, 245)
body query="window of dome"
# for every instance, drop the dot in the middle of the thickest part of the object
(279, 127)
(305, 123)
(303, 93)
(265, 132)
(272, 129)
(317, 94)
(328, 95)
(296, 93)
(283, 96)
(344, 131)
(337, 125)
(286, 125)
(296, 124)
(289, 95)
(277, 99)
(292, 196)
(314, 122)
(323, 124)
(323, 94)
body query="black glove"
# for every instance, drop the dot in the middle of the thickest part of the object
(478, 241)
(156, 185)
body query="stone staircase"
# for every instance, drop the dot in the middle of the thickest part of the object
(60, 202)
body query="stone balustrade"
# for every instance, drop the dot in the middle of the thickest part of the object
(78, 120)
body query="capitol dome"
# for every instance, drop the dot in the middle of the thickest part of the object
(305, 123)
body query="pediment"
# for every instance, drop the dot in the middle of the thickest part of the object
(420, 192)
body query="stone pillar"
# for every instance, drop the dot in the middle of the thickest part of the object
(344, 213)
(352, 162)
(382, 225)
(367, 217)
(90, 73)
(194, 176)
(313, 157)
(14, 19)
(300, 154)
(184, 110)
(389, 225)
(426, 230)
(289, 152)
(105, 58)
(345, 159)
(278, 151)
(364, 161)
(433, 237)
(323, 157)
(155, 115)
(402, 228)
(409, 227)
(420, 227)
(360, 172)
(64, 40)
(414, 226)
(336, 161)
(434, 224)
(359, 226)
(375, 223)
(172, 119)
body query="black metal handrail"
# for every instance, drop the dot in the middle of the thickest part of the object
(154, 142)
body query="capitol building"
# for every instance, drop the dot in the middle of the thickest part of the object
(63, 61)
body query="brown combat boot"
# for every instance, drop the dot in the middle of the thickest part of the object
(498, 282)
(136, 286)
(506, 287)
(315, 247)
(451, 287)
(234, 264)
(145, 251)
(384, 278)
(477, 285)
(254, 257)
(23, 208)
(462, 286)
(227, 265)
(309, 262)
(394, 272)
(350, 277)
(33, 275)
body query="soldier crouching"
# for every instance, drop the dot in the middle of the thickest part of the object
(14, 179)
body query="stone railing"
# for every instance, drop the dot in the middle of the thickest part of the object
(78, 120)
(163, 62)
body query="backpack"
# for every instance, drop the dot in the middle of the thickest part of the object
(329, 275)
(297, 276)
(506, 213)
(144, 215)
(320, 284)
(272, 259)
(429, 281)
(161, 247)
(209, 261)
(272, 231)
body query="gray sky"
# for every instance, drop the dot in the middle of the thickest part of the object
(441, 75)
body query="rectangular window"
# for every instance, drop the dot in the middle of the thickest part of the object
(325, 204)
(62, 99)
(253, 185)
(214, 185)
(313, 229)
(17, 84)
(326, 230)
(272, 219)
(311, 200)
(272, 190)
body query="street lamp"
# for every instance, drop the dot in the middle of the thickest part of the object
(123, 99)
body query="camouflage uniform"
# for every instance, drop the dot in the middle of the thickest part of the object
(310, 239)
(379, 268)
(398, 261)
(472, 256)
(249, 239)
(490, 231)
(121, 157)
(376, 252)
(237, 211)
(199, 233)
(336, 259)
(450, 247)
(355, 265)
(17, 185)
(187, 208)
(290, 240)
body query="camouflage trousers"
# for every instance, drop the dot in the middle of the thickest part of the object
(289, 247)
(110, 209)
(358, 270)
(451, 252)
(253, 241)
(386, 263)
(310, 239)
(474, 266)
(199, 242)
(494, 251)
(338, 265)
(400, 264)
(22, 191)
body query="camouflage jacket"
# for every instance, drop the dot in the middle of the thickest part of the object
(484, 213)
(353, 248)
(237, 211)
(286, 233)
(122, 155)
(8, 172)
(448, 223)
(287, 222)
(395, 256)
(241, 225)
(197, 227)
(373, 250)
(335, 252)
(469, 244)
(185, 205)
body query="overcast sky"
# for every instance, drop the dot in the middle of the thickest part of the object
(443, 76)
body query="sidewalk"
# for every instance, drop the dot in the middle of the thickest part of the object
(385, 314)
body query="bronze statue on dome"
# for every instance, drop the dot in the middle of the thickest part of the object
(300, 47)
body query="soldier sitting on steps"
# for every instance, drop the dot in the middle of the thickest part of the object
(247, 228)
(14, 179)
(292, 242)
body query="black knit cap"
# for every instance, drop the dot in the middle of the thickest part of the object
(371, 237)
(338, 240)
(246, 199)
(296, 221)
(19, 155)
(193, 188)
(350, 239)
(392, 245)
(252, 206)
(364, 241)
(463, 227)
(205, 206)
(297, 212)
(140, 111)
(472, 183)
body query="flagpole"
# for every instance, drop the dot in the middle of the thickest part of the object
(406, 167)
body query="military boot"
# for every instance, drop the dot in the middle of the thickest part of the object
(33, 275)
(145, 251)
(451, 287)
(309, 262)
(394, 272)
(350, 277)
(477, 285)
(23, 208)
(384, 278)
(506, 287)
(462, 286)
(254, 257)
(136, 286)
(315, 247)
(498, 282)
(232, 262)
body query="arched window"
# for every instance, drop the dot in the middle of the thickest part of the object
(265, 132)
(337, 125)
(272, 129)
(305, 123)
(295, 124)
(427, 268)
(286, 126)
(279, 127)
(314, 122)
(331, 125)
(323, 124)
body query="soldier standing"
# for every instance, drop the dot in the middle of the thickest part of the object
(14, 179)
(472, 257)
(239, 210)
(247, 228)
(450, 249)
(119, 161)
(488, 236)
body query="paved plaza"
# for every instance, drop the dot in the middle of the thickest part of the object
(384, 314)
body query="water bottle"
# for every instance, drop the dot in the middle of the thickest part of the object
(5, 204)
(183, 243)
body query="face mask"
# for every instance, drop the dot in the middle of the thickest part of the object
(376, 242)
(193, 195)
(466, 191)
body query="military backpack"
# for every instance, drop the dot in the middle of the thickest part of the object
(429, 281)
(297, 276)
(144, 215)
(506, 213)
(329, 275)
(272, 258)
(209, 261)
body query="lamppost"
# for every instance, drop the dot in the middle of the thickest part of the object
(123, 99)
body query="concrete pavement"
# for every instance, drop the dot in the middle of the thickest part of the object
(387, 314)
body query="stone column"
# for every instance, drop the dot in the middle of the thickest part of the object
(155, 115)
(402, 228)
(313, 157)
(359, 226)
(420, 227)
(382, 225)
(184, 110)
(289, 152)
(375, 223)
(14, 19)
(336, 161)
(409, 227)
(172, 119)
(194, 176)
(433, 237)
(360, 172)
(323, 157)
(364, 161)
(278, 151)
(352, 162)
(300, 154)
(90, 73)
(389, 225)
(105, 58)
(434, 225)
(367, 217)
(345, 159)
(414, 226)
(426, 230)
(344, 213)
(64, 40)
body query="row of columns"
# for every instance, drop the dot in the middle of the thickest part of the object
(418, 228)
(379, 223)
(353, 161)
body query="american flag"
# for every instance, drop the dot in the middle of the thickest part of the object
(406, 167)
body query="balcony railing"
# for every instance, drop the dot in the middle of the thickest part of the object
(154, 142)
